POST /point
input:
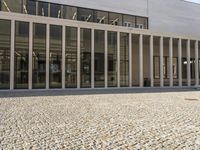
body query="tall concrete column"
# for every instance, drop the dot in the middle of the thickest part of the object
(63, 57)
(180, 62)
(161, 63)
(47, 55)
(12, 54)
(151, 61)
(130, 60)
(30, 69)
(141, 60)
(188, 64)
(78, 58)
(92, 60)
(171, 62)
(106, 58)
(196, 63)
(118, 59)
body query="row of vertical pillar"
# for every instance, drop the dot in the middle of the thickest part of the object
(141, 80)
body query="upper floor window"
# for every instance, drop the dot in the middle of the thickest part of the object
(115, 19)
(101, 17)
(70, 12)
(42, 9)
(30, 7)
(55, 10)
(35, 7)
(85, 15)
(10, 6)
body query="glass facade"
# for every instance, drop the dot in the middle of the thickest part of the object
(129, 21)
(30, 7)
(112, 59)
(85, 15)
(101, 17)
(43, 9)
(5, 35)
(10, 6)
(99, 58)
(85, 46)
(39, 56)
(70, 12)
(55, 10)
(115, 19)
(124, 59)
(35, 7)
(21, 55)
(55, 57)
(71, 58)
(103, 50)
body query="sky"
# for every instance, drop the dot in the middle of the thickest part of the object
(195, 1)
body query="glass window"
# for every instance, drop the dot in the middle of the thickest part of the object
(85, 15)
(42, 8)
(99, 55)
(129, 21)
(10, 6)
(69, 12)
(192, 68)
(55, 10)
(85, 58)
(39, 56)
(101, 17)
(21, 55)
(141, 23)
(112, 59)
(184, 68)
(115, 19)
(55, 58)
(71, 58)
(156, 67)
(30, 7)
(5, 33)
(175, 68)
(124, 59)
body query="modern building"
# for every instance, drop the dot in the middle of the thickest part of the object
(47, 44)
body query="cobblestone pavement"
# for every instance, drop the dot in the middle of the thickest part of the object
(101, 121)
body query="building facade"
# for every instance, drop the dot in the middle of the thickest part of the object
(99, 44)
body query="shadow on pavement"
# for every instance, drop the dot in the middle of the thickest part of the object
(65, 92)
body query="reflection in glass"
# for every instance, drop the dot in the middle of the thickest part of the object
(55, 58)
(156, 67)
(85, 58)
(129, 21)
(55, 10)
(99, 52)
(42, 8)
(124, 59)
(30, 7)
(184, 68)
(175, 68)
(101, 17)
(5, 29)
(115, 19)
(85, 15)
(141, 22)
(39, 55)
(69, 12)
(192, 68)
(112, 59)
(21, 55)
(10, 6)
(71, 58)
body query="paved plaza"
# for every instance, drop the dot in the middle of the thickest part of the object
(112, 119)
